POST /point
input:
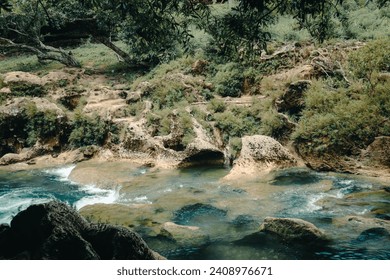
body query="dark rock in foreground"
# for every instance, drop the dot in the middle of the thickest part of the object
(294, 230)
(55, 231)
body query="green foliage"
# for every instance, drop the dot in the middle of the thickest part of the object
(238, 121)
(229, 80)
(42, 125)
(165, 122)
(32, 90)
(90, 130)
(340, 121)
(31, 125)
(371, 59)
(170, 86)
(235, 145)
(364, 22)
(216, 105)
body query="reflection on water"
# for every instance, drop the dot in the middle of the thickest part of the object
(144, 199)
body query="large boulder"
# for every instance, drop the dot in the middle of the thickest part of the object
(260, 154)
(55, 231)
(293, 230)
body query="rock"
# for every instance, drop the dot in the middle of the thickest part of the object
(10, 158)
(354, 225)
(293, 230)
(133, 97)
(55, 231)
(5, 91)
(260, 154)
(19, 77)
(184, 235)
(292, 101)
(192, 214)
(377, 153)
(373, 234)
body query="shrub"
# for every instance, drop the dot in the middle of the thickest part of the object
(28, 90)
(216, 106)
(237, 122)
(371, 59)
(90, 130)
(229, 80)
(337, 122)
(43, 125)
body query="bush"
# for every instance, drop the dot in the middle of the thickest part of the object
(160, 123)
(229, 80)
(216, 106)
(371, 59)
(28, 90)
(336, 122)
(43, 125)
(237, 122)
(90, 130)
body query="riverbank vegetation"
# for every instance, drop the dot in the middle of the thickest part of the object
(228, 66)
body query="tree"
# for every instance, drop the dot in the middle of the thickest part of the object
(21, 31)
(5, 5)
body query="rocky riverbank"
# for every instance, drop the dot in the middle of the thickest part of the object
(45, 118)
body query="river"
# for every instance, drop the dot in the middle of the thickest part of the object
(347, 208)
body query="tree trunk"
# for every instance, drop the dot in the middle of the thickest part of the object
(42, 51)
(122, 54)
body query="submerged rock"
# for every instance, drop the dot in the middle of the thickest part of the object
(197, 213)
(55, 231)
(356, 225)
(293, 230)
(260, 154)
(184, 235)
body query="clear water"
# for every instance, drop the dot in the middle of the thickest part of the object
(229, 215)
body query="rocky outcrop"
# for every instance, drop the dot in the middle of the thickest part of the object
(377, 153)
(260, 154)
(19, 77)
(56, 231)
(293, 230)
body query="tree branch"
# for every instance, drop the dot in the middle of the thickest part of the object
(42, 51)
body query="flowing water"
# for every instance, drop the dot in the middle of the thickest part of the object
(350, 209)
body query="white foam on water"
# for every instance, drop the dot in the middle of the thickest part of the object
(11, 206)
(97, 195)
(62, 172)
(168, 190)
(312, 202)
(143, 199)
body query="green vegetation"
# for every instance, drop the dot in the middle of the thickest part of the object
(344, 120)
(187, 60)
(27, 90)
(91, 131)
